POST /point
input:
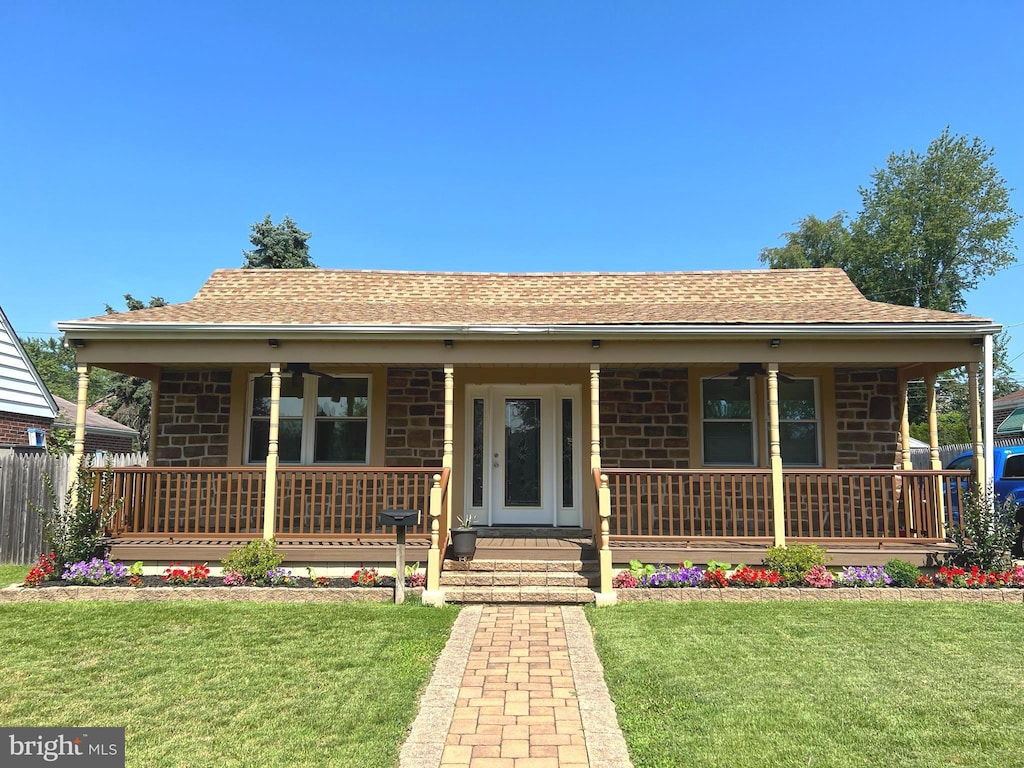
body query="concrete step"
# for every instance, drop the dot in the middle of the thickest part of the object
(534, 595)
(471, 578)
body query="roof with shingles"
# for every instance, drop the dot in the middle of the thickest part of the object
(410, 299)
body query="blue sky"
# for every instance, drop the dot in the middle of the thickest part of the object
(140, 140)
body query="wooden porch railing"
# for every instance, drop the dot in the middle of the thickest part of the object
(826, 504)
(321, 502)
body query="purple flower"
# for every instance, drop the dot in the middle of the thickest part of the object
(864, 576)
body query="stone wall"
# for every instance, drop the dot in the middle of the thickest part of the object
(194, 414)
(415, 417)
(644, 418)
(14, 427)
(867, 417)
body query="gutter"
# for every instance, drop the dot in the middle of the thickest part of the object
(98, 330)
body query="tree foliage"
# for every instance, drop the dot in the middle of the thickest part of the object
(129, 400)
(55, 362)
(278, 246)
(930, 227)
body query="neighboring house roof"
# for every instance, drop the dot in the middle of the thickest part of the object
(1012, 424)
(21, 389)
(343, 299)
(95, 424)
(1010, 400)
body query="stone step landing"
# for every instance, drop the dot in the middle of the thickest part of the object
(543, 582)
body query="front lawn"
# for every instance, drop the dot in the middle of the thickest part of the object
(225, 684)
(13, 574)
(816, 684)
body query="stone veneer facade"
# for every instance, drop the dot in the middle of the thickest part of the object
(194, 414)
(867, 418)
(644, 418)
(415, 417)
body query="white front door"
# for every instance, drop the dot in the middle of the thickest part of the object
(524, 463)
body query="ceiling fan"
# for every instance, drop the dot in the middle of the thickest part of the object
(299, 369)
(745, 370)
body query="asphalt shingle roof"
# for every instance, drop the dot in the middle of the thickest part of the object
(385, 298)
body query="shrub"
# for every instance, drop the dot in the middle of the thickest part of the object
(794, 562)
(73, 527)
(254, 561)
(903, 574)
(986, 532)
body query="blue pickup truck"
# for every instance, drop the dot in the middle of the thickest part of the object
(1008, 471)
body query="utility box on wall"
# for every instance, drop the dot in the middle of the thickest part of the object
(37, 438)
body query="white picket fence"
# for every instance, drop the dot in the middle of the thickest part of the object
(21, 486)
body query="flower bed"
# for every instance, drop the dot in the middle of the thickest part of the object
(722, 577)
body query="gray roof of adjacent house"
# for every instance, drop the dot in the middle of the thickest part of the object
(95, 423)
(21, 389)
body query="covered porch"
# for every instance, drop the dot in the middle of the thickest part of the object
(709, 427)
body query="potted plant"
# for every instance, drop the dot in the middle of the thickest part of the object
(464, 538)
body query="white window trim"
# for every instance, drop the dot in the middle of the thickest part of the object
(309, 419)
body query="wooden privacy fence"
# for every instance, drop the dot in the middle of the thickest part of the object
(825, 504)
(21, 486)
(321, 502)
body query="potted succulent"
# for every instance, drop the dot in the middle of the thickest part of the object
(464, 538)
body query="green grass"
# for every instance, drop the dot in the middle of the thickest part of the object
(228, 684)
(13, 574)
(812, 685)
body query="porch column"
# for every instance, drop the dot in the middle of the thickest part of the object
(775, 457)
(935, 462)
(595, 416)
(978, 465)
(905, 489)
(905, 461)
(270, 487)
(448, 457)
(80, 411)
(989, 426)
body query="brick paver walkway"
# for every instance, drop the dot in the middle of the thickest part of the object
(517, 687)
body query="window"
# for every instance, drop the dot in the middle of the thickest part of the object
(727, 407)
(798, 423)
(323, 420)
(729, 413)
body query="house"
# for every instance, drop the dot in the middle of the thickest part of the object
(27, 409)
(101, 432)
(652, 413)
(29, 412)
